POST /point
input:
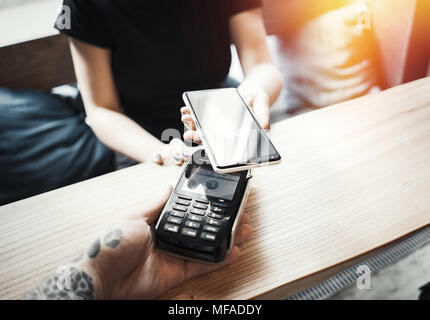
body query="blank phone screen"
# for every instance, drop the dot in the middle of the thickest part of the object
(229, 129)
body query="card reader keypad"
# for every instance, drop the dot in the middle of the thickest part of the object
(195, 218)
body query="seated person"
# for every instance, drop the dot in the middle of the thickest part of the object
(133, 60)
(123, 264)
(326, 50)
(45, 143)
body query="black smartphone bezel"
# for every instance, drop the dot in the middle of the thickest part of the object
(266, 159)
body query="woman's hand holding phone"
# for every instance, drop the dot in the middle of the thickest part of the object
(256, 98)
(191, 133)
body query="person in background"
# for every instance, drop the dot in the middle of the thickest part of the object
(134, 59)
(325, 50)
(124, 264)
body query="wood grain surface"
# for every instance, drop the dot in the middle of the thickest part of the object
(355, 177)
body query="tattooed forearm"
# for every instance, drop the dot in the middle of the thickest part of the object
(78, 286)
(93, 251)
(113, 238)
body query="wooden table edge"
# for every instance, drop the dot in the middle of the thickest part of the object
(289, 289)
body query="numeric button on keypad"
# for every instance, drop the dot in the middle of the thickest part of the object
(217, 210)
(171, 228)
(189, 232)
(177, 214)
(180, 207)
(182, 202)
(215, 216)
(208, 236)
(198, 211)
(193, 217)
(174, 220)
(192, 224)
(210, 228)
(200, 206)
(213, 222)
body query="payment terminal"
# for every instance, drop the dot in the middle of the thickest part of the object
(200, 218)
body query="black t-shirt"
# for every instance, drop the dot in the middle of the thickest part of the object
(159, 49)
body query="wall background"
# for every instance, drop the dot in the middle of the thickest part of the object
(11, 3)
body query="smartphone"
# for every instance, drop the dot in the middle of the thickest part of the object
(232, 137)
(200, 218)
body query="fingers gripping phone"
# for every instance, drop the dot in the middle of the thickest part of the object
(200, 218)
(229, 131)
